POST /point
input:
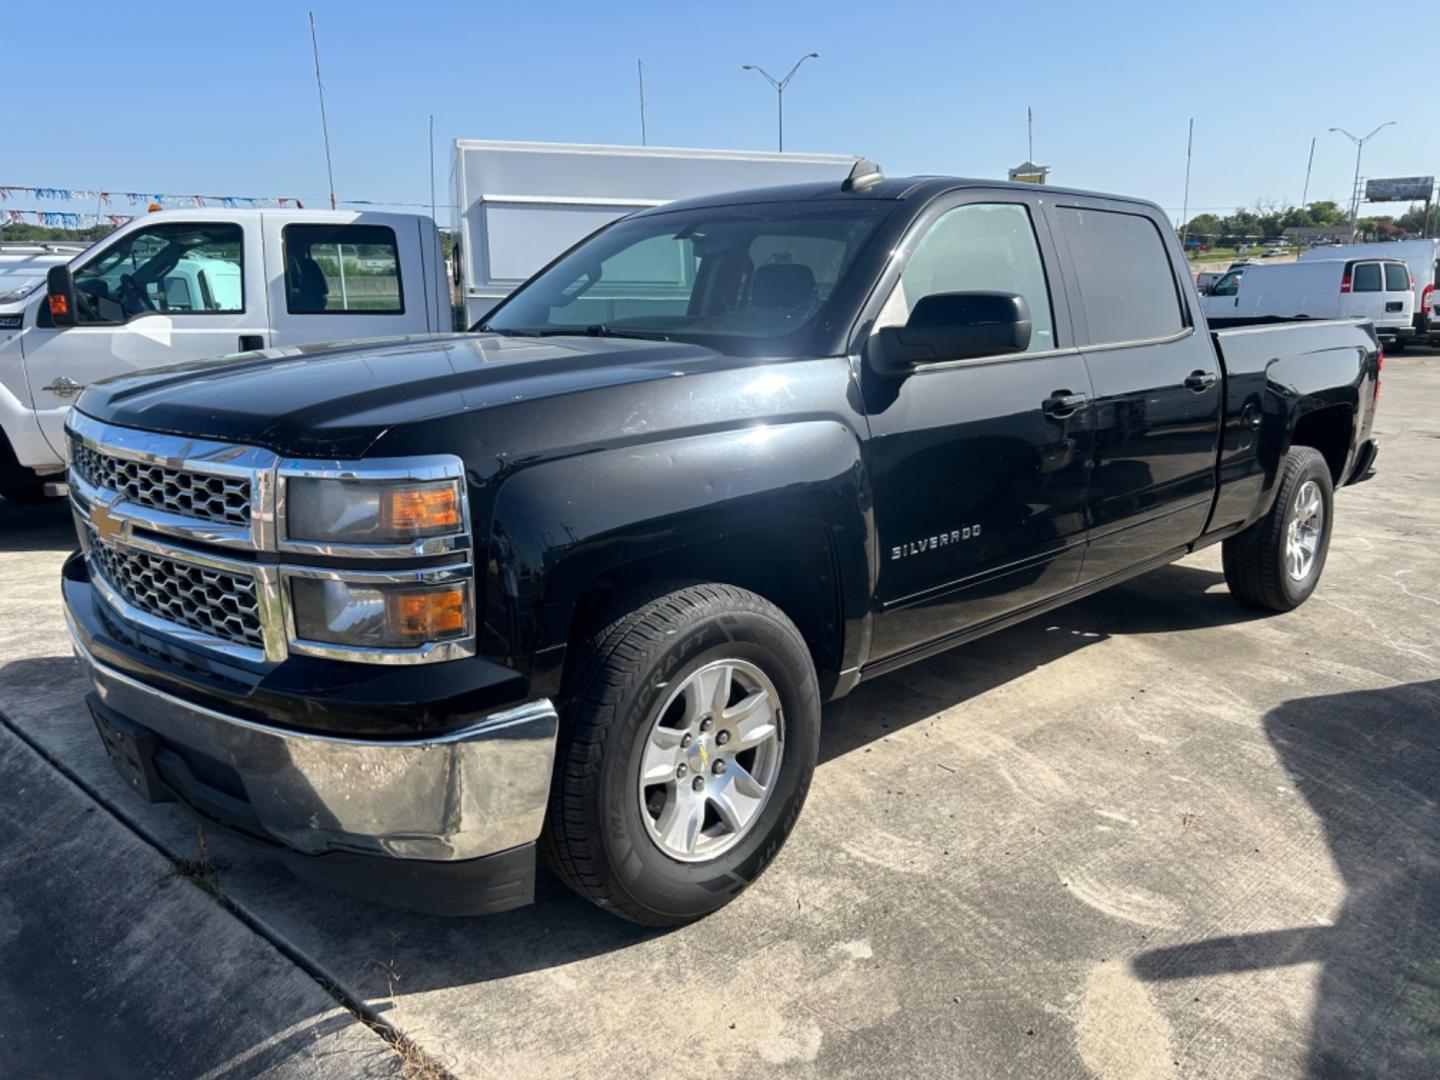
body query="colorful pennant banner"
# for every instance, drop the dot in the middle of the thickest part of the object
(135, 198)
(63, 219)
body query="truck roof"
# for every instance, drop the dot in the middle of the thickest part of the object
(887, 188)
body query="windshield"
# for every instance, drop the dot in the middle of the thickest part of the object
(751, 280)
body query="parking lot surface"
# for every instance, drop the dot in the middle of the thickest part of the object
(1148, 835)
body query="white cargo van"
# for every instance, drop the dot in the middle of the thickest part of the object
(1379, 290)
(1423, 259)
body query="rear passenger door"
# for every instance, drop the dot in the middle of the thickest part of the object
(1367, 292)
(338, 280)
(1156, 380)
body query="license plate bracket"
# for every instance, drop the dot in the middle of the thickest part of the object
(131, 749)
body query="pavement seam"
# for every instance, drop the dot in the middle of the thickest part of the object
(417, 1061)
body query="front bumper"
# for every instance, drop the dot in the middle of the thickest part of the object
(431, 808)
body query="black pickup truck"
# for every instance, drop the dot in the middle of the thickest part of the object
(579, 581)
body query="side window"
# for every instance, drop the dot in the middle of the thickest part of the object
(1367, 278)
(174, 267)
(985, 247)
(341, 270)
(1127, 286)
(1397, 278)
(1228, 285)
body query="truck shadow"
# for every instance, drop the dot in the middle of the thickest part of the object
(1368, 763)
(45, 526)
(1174, 598)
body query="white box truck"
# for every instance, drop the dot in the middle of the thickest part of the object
(521, 203)
(181, 285)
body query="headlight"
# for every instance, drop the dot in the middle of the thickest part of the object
(326, 510)
(380, 616)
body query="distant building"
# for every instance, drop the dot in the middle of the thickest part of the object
(1310, 235)
(1030, 173)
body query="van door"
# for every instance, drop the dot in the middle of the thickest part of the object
(166, 291)
(341, 277)
(1399, 295)
(1367, 292)
(1156, 414)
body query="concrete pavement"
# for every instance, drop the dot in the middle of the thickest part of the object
(1147, 835)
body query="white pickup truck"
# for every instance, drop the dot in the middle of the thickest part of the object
(185, 284)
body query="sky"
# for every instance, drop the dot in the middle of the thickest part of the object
(221, 99)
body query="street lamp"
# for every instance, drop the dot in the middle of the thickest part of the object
(779, 85)
(1359, 147)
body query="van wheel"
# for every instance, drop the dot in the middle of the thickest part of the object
(1396, 347)
(1276, 563)
(688, 740)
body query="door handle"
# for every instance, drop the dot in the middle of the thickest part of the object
(251, 342)
(1062, 403)
(1200, 381)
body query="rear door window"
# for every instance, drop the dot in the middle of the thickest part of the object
(1127, 287)
(1367, 278)
(1397, 278)
(342, 270)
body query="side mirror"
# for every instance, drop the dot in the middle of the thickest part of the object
(60, 295)
(953, 326)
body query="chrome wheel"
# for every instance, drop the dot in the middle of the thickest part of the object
(711, 760)
(1307, 523)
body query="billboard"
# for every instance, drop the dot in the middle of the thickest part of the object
(1400, 189)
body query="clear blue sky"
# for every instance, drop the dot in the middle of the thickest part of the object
(221, 98)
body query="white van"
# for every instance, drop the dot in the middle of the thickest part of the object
(1423, 259)
(1379, 290)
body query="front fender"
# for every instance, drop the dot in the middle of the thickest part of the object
(558, 526)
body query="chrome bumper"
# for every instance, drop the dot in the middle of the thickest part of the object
(475, 792)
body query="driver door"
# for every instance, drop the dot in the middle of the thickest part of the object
(164, 292)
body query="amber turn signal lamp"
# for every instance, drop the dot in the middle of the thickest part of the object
(427, 615)
(59, 305)
(420, 511)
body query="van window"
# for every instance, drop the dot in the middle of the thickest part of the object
(977, 247)
(341, 270)
(1397, 278)
(174, 267)
(1367, 278)
(1127, 286)
(1228, 285)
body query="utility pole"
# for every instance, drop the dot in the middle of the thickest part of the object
(640, 74)
(1030, 133)
(432, 170)
(1185, 211)
(324, 126)
(780, 85)
(1305, 195)
(1359, 149)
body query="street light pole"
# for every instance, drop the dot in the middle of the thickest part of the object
(780, 85)
(1359, 149)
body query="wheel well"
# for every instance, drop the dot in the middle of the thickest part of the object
(792, 566)
(1327, 430)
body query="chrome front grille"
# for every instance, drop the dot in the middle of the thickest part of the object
(222, 499)
(216, 603)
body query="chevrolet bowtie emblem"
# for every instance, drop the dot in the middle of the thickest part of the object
(107, 526)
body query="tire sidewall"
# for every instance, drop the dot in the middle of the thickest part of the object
(1315, 468)
(653, 879)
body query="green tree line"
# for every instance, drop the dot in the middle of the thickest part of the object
(1262, 222)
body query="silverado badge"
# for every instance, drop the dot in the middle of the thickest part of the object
(930, 543)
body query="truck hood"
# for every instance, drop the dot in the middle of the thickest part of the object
(334, 401)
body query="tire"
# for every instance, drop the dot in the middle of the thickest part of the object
(1260, 564)
(1397, 346)
(639, 683)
